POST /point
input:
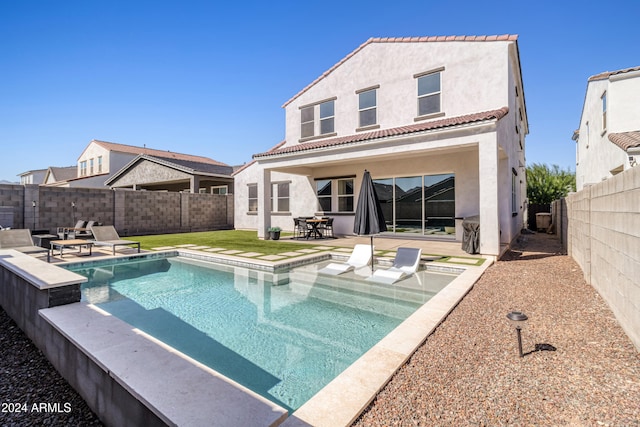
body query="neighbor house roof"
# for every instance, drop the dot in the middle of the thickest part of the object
(385, 133)
(607, 74)
(122, 148)
(626, 140)
(63, 173)
(425, 39)
(188, 166)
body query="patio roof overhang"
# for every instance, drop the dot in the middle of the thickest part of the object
(429, 138)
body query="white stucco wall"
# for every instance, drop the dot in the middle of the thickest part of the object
(481, 156)
(596, 155)
(474, 80)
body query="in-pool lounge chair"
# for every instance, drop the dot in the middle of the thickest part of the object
(106, 235)
(21, 241)
(405, 264)
(360, 257)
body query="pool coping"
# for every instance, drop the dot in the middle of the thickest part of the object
(342, 400)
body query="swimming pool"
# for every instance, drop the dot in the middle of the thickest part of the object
(283, 335)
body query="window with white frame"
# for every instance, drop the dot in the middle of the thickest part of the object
(307, 116)
(220, 189)
(83, 168)
(323, 191)
(90, 166)
(280, 197)
(327, 117)
(429, 93)
(253, 197)
(99, 164)
(367, 108)
(345, 195)
(317, 119)
(335, 194)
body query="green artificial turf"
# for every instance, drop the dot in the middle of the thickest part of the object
(229, 239)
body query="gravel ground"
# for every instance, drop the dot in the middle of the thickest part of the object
(469, 371)
(28, 380)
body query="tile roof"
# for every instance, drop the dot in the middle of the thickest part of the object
(504, 37)
(608, 74)
(122, 148)
(385, 133)
(626, 140)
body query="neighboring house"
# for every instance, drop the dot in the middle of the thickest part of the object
(56, 176)
(107, 163)
(440, 122)
(174, 172)
(608, 140)
(33, 177)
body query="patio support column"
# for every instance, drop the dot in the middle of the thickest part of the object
(194, 184)
(489, 203)
(264, 203)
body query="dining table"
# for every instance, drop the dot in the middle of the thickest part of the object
(315, 223)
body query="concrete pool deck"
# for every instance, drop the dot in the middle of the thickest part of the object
(339, 403)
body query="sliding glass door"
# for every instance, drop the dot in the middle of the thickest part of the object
(421, 205)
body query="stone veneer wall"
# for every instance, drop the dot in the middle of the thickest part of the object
(604, 239)
(131, 212)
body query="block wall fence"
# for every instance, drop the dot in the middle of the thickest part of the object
(603, 237)
(131, 212)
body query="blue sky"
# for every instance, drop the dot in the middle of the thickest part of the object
(210, 77)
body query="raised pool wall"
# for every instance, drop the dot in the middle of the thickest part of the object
(28, 285)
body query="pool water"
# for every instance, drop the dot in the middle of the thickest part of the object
(284, 336)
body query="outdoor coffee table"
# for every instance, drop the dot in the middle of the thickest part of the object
(69, 243)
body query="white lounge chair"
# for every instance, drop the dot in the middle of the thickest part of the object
(405, 264)
(360, 257)
(106, 235)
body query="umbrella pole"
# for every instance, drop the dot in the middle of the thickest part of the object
(372, 258)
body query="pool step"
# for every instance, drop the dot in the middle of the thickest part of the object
(389, 300)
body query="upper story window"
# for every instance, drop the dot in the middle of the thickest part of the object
(90, 166)
(99, 164)
(83, 168)
(327, 117)
(317, 119)
(604, 111)
(308, 123)
(367, 108)
(429, 92)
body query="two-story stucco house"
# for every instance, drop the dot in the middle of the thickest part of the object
(440, 123)
(608, 139)
(110, 164)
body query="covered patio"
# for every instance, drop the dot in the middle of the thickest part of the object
(465, 151)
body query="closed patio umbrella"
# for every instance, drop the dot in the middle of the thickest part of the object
(369, 219)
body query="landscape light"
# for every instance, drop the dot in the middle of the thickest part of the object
(516, 318)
